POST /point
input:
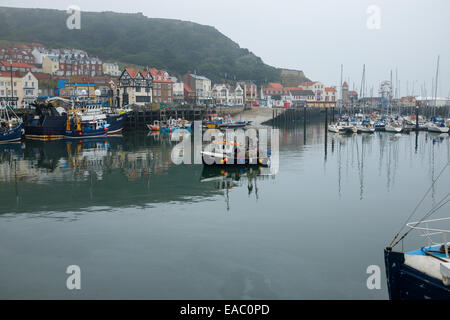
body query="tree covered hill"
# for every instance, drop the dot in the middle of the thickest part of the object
(175, 45)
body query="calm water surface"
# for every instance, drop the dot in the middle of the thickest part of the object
(141, 227)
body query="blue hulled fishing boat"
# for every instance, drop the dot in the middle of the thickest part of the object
(423, 273)
(49, 123)
(78, 129)
(11, 126)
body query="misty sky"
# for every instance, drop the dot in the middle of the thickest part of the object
(316, 36)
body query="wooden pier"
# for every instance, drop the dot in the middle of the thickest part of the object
(292, 116)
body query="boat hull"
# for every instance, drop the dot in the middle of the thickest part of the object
(116, 123)
(438, 129)
(54, 127)
(393, 129)
(85, 135)
(223, 160)
(45, 127)
(11, 135)
(407, 283)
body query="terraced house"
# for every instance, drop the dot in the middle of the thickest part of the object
(162, 90)
(19, 92)
(224, 94)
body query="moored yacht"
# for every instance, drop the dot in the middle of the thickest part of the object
(393, 127)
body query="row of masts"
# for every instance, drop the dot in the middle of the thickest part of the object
(395, 90)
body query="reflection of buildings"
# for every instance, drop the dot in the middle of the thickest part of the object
(134, 170)
(73, 160)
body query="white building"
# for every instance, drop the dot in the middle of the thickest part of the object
(178, 90)
(135, 87)
(202, 87)
(111, 69)
(226, 95)
(24, 89)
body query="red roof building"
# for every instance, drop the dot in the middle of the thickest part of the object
(17, 66)
(162, 86)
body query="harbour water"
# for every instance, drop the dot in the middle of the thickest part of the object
(141, 227)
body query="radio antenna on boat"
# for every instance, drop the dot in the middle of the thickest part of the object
(434, 209)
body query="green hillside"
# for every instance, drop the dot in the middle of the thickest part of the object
(177, 46)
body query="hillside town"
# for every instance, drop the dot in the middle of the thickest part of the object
(32, 71)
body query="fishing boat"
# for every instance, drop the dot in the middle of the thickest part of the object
(78, 129)
(229, 153)
(230, 123)
(49, 122)
(115, 117)
(424, 273)
(155, 126)
(46, 123)
(212, 121)
(11, 126)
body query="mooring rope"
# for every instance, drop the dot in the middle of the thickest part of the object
(439, 205)
(417, 206)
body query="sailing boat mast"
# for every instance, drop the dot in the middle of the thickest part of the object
(363, 80)
(435, 86)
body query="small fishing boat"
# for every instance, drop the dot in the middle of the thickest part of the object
(11, 126)
(78, 129)
(230, 123)
(228, 153)
(155, 126)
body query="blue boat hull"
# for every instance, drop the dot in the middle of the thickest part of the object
(45, 127)
(116, 123)
(54, 127)
(87, 134)
(406, 283)
(11, 135)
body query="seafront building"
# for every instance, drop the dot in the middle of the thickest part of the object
(22, 91)
(250, 92)
(162, 90)
(135, 87)
(201, 87)
(224, 94)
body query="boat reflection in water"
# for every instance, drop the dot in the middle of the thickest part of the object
(226, 178)
(115, 171)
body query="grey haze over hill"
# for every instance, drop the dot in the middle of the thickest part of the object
(315, 36)
(175, 45)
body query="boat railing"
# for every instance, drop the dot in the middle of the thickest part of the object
(428, 231)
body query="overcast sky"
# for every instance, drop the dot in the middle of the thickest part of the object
(316, 36)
